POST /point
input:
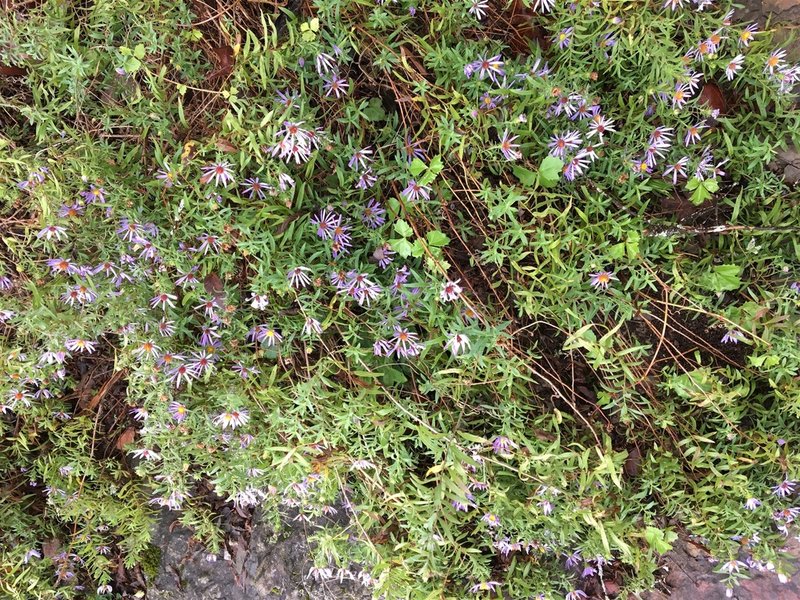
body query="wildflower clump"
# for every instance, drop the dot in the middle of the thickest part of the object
(517, 303)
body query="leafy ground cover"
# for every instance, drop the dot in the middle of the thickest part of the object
(508, 287)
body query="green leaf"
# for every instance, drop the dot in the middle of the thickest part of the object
(418, 249)
(416, 167)
(138, 51)
(526, 176)
(659, 540)
(437, 239)
(401, 246)
(403, 228)
(374, 110)
(722, 278)
(550, 171)
(392, 376)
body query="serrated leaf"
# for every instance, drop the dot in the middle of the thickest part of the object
(402, 246)
(437, 239)
(550, 171)
(416, 167)
(402, 228)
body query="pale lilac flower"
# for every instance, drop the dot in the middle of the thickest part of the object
(312, 326)
(178, 411)
(361, 159)
(775, 61)
(253, 186)
(563, 37)
(335, 85)
(80, 345)
(599, 126)
(693, 134)
(232, 419)
(561, 143)
(146, 454)
(503, 445)
(182, 374)
(384, 255)
(5, 283)
(104, 589)
(220, 173)
(732, 337)
(491, 519)
(509, 147)
(326, 222)
(324, 63)
(601, 279)
(52, 231)
(167, 176)
(164, 300)
(259, 301)
(489, 67)
(457, 344)
(203, 361)
(577, 165)
(661, 137)
(747, 34)
(543, 6)
(382, 347)
(372, 214)
(680, 95)
(784, 488)
(733, 66)
(244, 371)
(405, 343)
(477, 8)
(677, 169)
(62, 266)
(580, 594)
(450, 291)
(147, 349)
(188, 279)
(166, 328)
(94, 194)
(285, 182)
(414, 191)
(208, 243)
(752, 503)
(298, 277)
(366, 180)
(485, 586)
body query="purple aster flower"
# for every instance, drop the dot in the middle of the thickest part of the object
(564, 37)
(244, 371)
(6, 283)
(746, 36)
(677, 169)
(382, 347)
(298, 277)
(732, 337)
(94, 194)
(413, 149)
(601, 279)
(312, 327)
(489, 67)
(219, 172)
(503, 445)
(286, 97)
(203, 362)
(405, 343)
(752, 503)
(188, 279)
(576, 595)
(509, 147)
(372, 215)
(561, 143)
(164, 300)
(491, 519)
(335, 85)
(232, 419)
(784, 488)
(366, 180)
(254, 187)
(457, 344)
(324, 63)
(576, 165)
(359, 287)
(167, 176)
(52, 231)
(361, 159)
(178, 411)
(485, 586)
(326, 222)
(775, 61)
(477, 8)
(80, 345)
(414, 191)
(182, 374)
(208, 243)
(733, 66)
(62, 266)
(384, 255)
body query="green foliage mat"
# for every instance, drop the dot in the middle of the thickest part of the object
(507, 287)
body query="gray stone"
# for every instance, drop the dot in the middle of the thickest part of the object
(270, 566)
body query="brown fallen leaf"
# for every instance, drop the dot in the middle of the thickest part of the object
(125, 438)
(711, 96)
